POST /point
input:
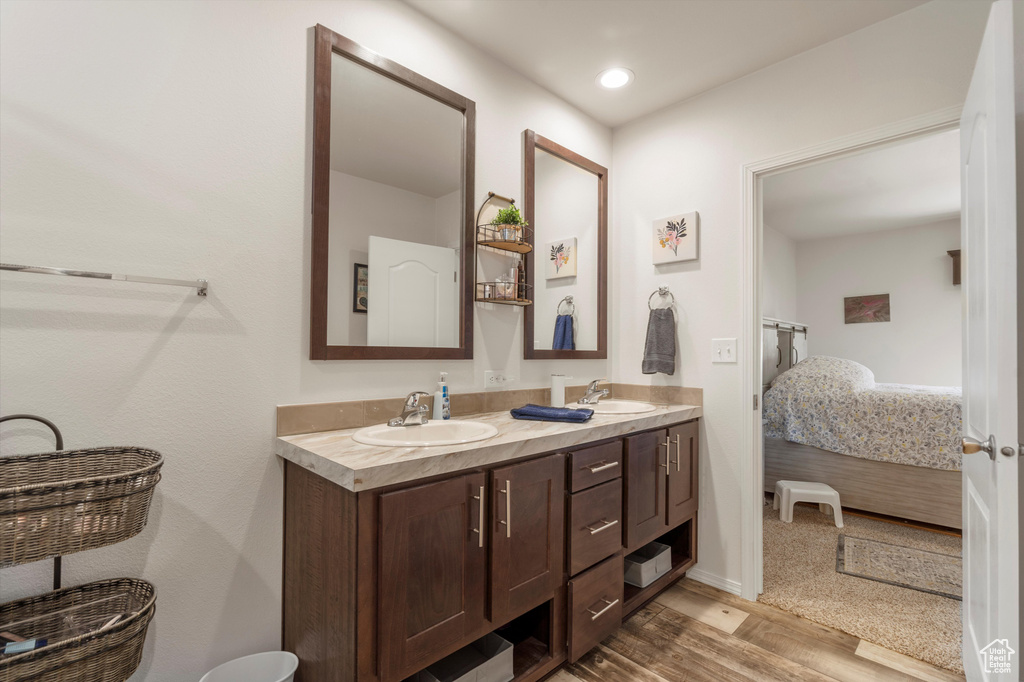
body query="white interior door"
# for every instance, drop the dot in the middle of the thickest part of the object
(413, 294)
(990, 485)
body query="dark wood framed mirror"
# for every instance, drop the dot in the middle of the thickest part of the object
(567, 208)
(393, 233)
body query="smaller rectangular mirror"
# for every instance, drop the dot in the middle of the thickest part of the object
(567, 208)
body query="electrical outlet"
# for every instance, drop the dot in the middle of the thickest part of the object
(495, 379)
(723, 350)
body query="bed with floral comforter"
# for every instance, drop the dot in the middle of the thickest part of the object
(835, 405)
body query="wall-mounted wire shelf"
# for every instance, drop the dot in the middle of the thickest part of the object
(200, 285)
(505, 293)
(515, 238)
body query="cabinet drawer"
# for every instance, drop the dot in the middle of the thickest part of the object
(595, 525)
(591, 466)
(595, 606)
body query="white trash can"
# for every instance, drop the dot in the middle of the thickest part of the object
(270, 666)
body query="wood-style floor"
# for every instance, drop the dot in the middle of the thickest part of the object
(696, 633)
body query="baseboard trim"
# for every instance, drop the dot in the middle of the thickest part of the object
(730, 586)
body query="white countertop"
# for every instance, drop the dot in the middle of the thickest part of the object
(354, 466)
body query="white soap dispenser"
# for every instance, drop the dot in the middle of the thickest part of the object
(442, 404)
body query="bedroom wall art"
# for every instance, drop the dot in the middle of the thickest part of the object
(360, 287)
(676, 239)
(873, 308)
(561, 258)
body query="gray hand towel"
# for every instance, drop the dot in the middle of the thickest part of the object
(660, 349)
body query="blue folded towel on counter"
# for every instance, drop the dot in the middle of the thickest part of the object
(543, 413)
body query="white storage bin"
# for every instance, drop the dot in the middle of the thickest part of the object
(647, 564)
(488, 659)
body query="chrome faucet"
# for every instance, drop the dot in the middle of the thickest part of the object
(593, 394)
(413, 412)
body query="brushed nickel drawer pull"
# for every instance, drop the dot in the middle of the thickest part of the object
(679, 452)
(597, 614)
(508, 509)
(668, 451)
(480, 531)
(600, 466)
(607, 524)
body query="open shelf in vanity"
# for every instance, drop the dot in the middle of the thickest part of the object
(683, 541)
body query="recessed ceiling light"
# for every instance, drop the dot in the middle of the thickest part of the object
(615, 78)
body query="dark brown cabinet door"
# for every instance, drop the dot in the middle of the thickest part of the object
(647, 457)
(433, 571)
(682, 472)
(527, 531)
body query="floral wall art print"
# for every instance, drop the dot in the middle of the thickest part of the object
(873, 308)
(561, 259)
(676, 239)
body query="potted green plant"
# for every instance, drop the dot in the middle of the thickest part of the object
(509, 222)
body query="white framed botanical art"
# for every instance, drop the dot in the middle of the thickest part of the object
(561, 258)
(676, 239)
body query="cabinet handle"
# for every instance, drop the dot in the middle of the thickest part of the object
(668, 449)
(778, 348)
(679, 452)
(600, 466)
(607, 524)
(508, 509)
(480, 531)
(597, 614)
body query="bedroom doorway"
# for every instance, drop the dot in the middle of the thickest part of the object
(843, 236)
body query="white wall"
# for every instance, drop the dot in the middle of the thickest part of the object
(778, 272)
(690, 157)
(173, 139)
(921, 345)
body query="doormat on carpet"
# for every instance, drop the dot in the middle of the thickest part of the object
(916, 569)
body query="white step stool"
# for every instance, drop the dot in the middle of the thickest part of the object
(791, 492)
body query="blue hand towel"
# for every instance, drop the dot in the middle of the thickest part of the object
(564, 339)
(543, 413)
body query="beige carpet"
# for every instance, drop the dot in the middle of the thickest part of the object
(800, 577)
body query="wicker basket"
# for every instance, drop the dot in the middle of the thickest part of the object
(109, 654)
(57, 503)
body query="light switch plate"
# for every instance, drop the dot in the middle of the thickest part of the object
(723, 350)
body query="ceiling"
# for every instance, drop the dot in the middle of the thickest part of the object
(392, 134)
(912, 183)
(677, 48)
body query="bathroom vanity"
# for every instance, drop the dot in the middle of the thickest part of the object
(395, 557)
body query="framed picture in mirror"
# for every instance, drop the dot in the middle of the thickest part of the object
(360, 287)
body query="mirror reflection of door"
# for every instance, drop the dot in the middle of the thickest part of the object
(395, 179)
(415, 294)
(565, 242)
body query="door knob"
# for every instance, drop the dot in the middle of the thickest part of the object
(970, 446)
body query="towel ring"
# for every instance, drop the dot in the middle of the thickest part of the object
(662, 291)
(567, 299)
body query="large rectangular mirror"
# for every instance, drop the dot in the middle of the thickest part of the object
(567, 207)
(392, 210)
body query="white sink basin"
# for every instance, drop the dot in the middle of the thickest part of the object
(617, 407)
(450, 432)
